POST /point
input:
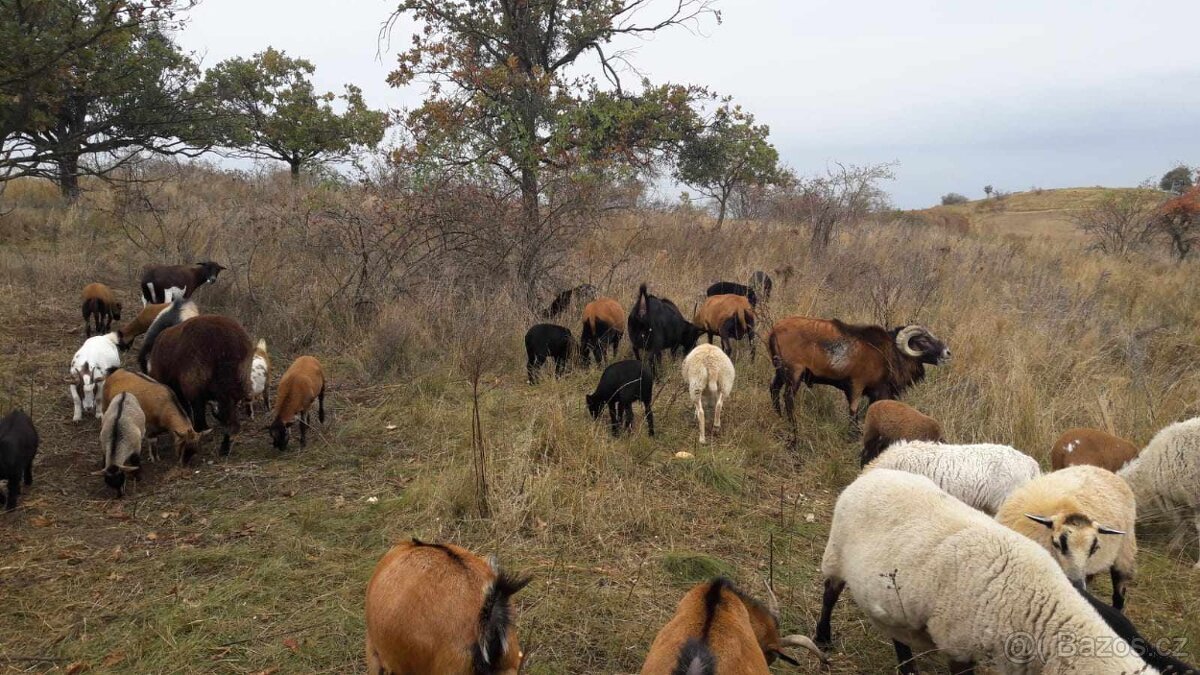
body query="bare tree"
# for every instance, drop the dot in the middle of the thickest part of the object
(1119, 223)
(845, 193)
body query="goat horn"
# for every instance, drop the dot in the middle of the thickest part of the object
(127, 469)
(806, 643)
(772, 601)
(905, 336)
(98, 472)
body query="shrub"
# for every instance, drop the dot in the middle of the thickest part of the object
(952, 198)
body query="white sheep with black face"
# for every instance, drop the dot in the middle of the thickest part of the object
(1165, 477)
(981, 475)
(89, 367)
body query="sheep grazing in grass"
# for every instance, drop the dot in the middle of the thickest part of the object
(162, 409)
(719, 630)
(260, 378)
(301, 384)
(18, 446)
(1084, 516)
(890, 422)
(603, 326)
(729, 316)
(164, 283)
(982, 475)
(1166, 478)
(548, 341)
(935, 575)
(656, 325)
(1091, 446)
(620, 385)
(438, 608)
(734, 288)
(121, 435)
(179, 311)
(709, 374)
(100, 306)
(140, 323)
(89, 367)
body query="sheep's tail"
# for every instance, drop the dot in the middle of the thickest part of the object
(643, 302)
(773, 347)
(714, 375)
(262, 345)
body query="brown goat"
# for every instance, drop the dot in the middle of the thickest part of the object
(858, 360)
(164, 283)
(140, 324)
(890, 422)
(164, 413)
(302, 382)
(1091, 446)
(719, 630)
(438, 608)
(100, 306)
(729, 316)
(206, 359)
(603, 325)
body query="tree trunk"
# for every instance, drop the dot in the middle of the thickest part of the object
(68, 176)
(295, 164)
(528, 265)
(722, 203)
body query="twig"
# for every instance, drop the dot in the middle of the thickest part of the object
(268, 636)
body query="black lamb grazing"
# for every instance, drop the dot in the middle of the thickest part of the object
(733, 288)
(620, 385)
(579, 295)
(547, 340)
(655, 325)
(18, 445)
(761, 282)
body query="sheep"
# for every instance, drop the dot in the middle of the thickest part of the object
(569, 297)
(720, 630)
(547, 340)
(656, 325)
(164, 283)
(1166, 477)
(935, 574)
(164, 412)
(603, 326)
(889, 422)
(1084, 516)
(439, 608)
(18, 446)
(206, 359)
(140, 323)
(89, 367)
(729, 316)
(260, 377)
(734, 288)
(620, 385)
(1124, 628)
(180, 310)
(121, 436)
(709, 374)
(981, 475)
(101, 307)
(1091, 446)
(761, 281)
(302, 382)
(859, 360)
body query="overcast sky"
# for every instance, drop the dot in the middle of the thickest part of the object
(1017, 94)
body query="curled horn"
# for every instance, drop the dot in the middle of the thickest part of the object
(805, 642)
(772, 601)
(127, 469)
(905, 336)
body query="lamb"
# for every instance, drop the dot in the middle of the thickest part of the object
(620, 385)
(260, 377)
(982, 475)
(1166, 477)
(302, 382)
(729, 316)
(140, 323)
(89, 367)
(889, 422)
(439, 608)
(547, 341)
(1091, 446)
(603, 326)
(934, 574)
(163, 411)
(179, 311)
(18, 446)
(709, 374)
(121, 436)
(101, 307)
(164, 283)
(1084, 516)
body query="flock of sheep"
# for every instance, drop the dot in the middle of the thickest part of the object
(969, 550)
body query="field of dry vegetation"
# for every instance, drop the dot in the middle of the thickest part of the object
(258, 563)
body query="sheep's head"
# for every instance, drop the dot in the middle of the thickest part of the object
(279, 434)
(917, 342)
(594, 405)
(1074, 538)
(210, 270)
(188, 442)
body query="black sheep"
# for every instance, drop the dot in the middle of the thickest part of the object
(620, 385)
(547, 340)
(578, 295)
(163, 283)
(1146, 649)
(732, 288)
(18, 445)
(761, 282)
(655, 325)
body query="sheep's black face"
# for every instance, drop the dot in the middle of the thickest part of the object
(279, 436)
(593, 405)
(933, 351)
(115, 479)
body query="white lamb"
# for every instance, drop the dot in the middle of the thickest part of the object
(935, 574)
(1084, 517)
(981, 475)
(1165, 477)
(709, 375)
(89, 367)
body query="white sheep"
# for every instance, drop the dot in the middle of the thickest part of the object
(1166, 477)
(121, 435)
(935, 574)
(89, 367)
(982, 475)
(709, 375)
(1084, 516)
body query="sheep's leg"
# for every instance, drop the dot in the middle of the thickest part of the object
(531, 366)
(78, 404)
(612, 416)
(627, 416)
(776, 387)
(1120, 582)
(717, 413)
(649, 415)
(904, 658)
(962, 668)
(700, 416)
(14, 491)
(29, 473)
(303, 428)
(616, 343)
(833, 590)
(99, 407)
(321, 405)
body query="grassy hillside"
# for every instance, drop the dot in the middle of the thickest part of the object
(258, 563)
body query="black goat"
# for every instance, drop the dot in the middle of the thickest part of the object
(733, 288)
(547, 340)
(179, 311)
(761, 282)
(18, 445)
(583, 293)
(655, 325)
(620, 385)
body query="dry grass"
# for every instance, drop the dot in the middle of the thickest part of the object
(261, 561)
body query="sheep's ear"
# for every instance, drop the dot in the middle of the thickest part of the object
(1107, 530)
(1040, 519)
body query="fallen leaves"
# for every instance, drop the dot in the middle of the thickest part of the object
(41, 521)
(113, 659)
(291, 644)
(76, 667)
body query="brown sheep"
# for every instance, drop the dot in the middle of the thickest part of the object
(302, 382)
(603, 325)
(890, 422)
(206, 359)
(164, 283)
(438, 608)
(100, 306)
(729, 316)
(858, 360)
(719, 630)
(140, 324)
(164, 413)
(1091, 446)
